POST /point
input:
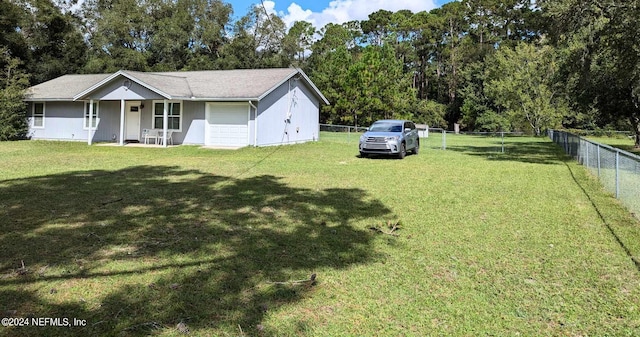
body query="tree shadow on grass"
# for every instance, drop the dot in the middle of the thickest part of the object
(145, 248)
(533, 152)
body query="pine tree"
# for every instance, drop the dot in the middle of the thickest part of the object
(13, 110)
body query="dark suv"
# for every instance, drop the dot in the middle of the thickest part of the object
(390, 137)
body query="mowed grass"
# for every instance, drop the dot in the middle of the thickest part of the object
(145, 241)
(622, 142)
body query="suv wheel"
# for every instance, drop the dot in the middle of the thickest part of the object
(363, 155)
(403, 151)
(417, 148)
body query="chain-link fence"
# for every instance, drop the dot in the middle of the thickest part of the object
(617, 170)
(433, 138)
(479, 141)
(341, 133)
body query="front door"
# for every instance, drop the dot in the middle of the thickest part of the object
(132, 121)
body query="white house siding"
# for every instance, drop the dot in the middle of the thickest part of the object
(115, 91)
(109, 122)
(193, 124)
(65, 121)
(252, 124)
(295, 99)
(60, 122)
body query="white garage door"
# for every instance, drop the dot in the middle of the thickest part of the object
(227, 124)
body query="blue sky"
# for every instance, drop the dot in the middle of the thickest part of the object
(321, 12)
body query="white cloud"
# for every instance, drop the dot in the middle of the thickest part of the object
(340, 11)
(269, 6)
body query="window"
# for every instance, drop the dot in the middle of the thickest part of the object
(94, 119)
(174, 115)
(37, 115)
(409, 125)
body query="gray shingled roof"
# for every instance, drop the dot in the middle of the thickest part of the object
(244, 84)
(63, 88)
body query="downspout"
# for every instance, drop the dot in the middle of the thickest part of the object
(90, 121)
(255, 124)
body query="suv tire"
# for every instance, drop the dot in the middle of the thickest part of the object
(403, 151)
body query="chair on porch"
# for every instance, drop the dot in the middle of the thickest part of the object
(169, 136)
(150, 134)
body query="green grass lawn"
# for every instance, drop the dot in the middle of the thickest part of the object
(147, 241)
(622, 142)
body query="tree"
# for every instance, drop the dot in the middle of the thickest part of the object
(46, 40)
(520, 80)
(363, 84)
(378, 27)
(479, 111)
(297, 43)
(440, 55)
(13, 110)
(430, 112)
(256, 42)
(602, 56)
(169, 35)
(328, 67)
(118, 41)
(383, 88)
(331, 74)
(12, 19)
(209, 34)
(55, 42)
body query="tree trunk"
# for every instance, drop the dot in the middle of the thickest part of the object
(635, 123)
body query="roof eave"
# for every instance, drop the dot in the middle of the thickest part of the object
(306, 78)
(221, 99)
(31, 99)
(318, 92)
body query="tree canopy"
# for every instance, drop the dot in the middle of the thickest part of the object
(487, 65)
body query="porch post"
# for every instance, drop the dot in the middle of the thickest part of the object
(165, 121)
(89, 133)
(121, 122)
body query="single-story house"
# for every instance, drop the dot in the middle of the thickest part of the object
(234, 108)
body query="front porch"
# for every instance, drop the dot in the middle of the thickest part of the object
(153, 125)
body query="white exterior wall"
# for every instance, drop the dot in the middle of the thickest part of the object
(65, 121)
(292, 99)
(193, 124)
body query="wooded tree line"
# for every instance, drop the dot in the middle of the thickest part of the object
(488, 65)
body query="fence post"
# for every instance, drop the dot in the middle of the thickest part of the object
(573, 144)
(617, 174)
(598, 145)
(444, 139)
(586, 153)
(502, 135)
